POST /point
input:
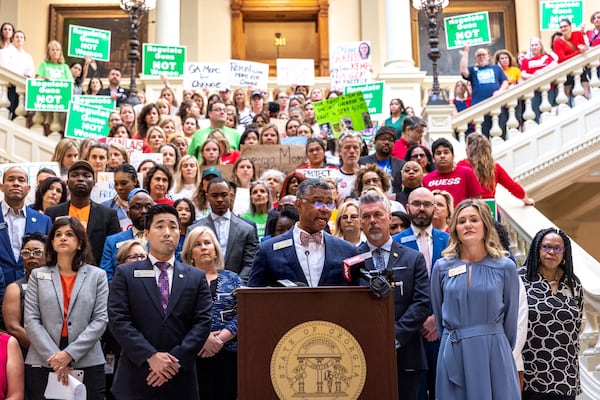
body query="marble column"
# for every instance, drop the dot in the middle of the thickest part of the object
(398, 35)
(168, 22)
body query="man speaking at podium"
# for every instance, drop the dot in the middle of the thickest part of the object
(304, 255)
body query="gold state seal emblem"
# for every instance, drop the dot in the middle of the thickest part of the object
(318, 359)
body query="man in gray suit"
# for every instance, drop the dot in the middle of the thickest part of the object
(237, 237)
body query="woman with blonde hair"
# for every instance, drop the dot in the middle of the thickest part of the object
(54, 67)
(117, 155)
(187, 178)
(163, 106)
(228, 156)
(65, 154)
(347, 223)
(211, 152)
(269, 134)
(443, 206)
(130, 251)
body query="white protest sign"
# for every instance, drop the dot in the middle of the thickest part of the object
(200, 75)
(104, 189)
(319, 173)
(131, 145)
(248, 73)
(350, 64)
(295, 71)
(136, 158)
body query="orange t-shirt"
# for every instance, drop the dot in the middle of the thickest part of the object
(82, 214)
(67, 283)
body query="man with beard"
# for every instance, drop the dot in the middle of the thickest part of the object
(384, 143)
(411, 288)
(423, 237)
(99, 221)
(114, 89)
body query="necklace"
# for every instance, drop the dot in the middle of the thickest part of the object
(557, 276)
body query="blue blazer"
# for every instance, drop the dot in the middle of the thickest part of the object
(440, 241)
(271, 265)
(411, 302)
(11, 268)
(109, 253)
(138, 323)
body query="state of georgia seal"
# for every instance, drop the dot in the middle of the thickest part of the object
(318, 359)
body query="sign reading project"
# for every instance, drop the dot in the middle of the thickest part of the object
(160, 60)
(85, 121)
(372, 93)
(89, 42)
(43, 95)
(200, 75)
(248, 73)
(551, 12)
(295, 71)
(467, 29)
(347, 112)
(350, 64)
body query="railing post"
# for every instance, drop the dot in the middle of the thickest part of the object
(38, 120)
(528, 114)
(512, 124)
(56, 126)
(594, 81)
(439, 121)
(545, 106)
(495, 130)
(4, 103)
(21, 113)
(561, 97)
(577, 91)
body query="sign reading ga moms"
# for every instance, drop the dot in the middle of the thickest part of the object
(467, 29)
(160, 60)
(85, 121)
(89, 42)
(285, 158)
(43, 95)
(551, 12)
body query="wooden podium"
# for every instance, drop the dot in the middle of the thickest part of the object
(326, 342)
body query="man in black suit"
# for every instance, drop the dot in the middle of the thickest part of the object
(384, 143)
(159, 311)
(411, 293)
(237, 237)
(114, 90)
(99, 221)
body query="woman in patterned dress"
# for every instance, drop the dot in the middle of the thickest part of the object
(555, 299)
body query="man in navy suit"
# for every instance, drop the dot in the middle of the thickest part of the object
(139, 202)
(384, 142)
(423, 237)
(305, 253)
(15, 221)
(159, 311)
(411, 292)
(114, 89)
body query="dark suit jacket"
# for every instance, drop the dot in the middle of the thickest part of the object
(440, 241)
(397, 165)
(102, 223)
(123, 92)
(109, 253)
(241, 244)
(138, 323)
(11, 268)
(271, 265)
(411, 302)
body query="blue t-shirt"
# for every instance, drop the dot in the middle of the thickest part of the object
(485, 81)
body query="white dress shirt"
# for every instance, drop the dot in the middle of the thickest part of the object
(171, 261)
(222, 224)
(311, 257)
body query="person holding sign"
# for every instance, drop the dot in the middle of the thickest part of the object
(568, 45)
(54, 67)
(217, 114)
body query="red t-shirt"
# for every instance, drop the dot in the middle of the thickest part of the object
(563, 50)
(533, 64)
(400, 148)
(593, 37)
(461, 183)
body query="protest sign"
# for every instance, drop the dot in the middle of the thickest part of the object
(130, 145)
(98, 101)
(346, 112)
(136, 158)
(350, 64)
(200, 75)
(85, 121)
(467, 29)
(299, 140)
(226, 170)
(91, 42)
(551, 12)
(295, 71)
(372, 93)
(104, 189)
(319, 173)
(43, 95)
(285, 158)
(160, 60)
(248, 73)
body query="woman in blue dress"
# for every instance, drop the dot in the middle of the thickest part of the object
(475, 296)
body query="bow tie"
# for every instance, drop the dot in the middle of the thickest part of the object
(306, 238)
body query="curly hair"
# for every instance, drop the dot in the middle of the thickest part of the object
(383, 176)
(480, 157)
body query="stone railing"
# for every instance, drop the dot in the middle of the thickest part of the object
(524, 92)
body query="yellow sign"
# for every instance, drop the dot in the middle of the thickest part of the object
(318, 359)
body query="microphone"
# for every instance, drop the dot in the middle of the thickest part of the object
(288, 283)
(352, 266)
(355, 268)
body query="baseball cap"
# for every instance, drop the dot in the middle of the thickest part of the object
(211, 171)
(81, 164)
(387, 130)
(259, 94)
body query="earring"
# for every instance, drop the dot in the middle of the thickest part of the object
(193, 261)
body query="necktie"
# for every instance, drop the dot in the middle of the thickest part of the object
(163, 284)
(306, 238)
(424, 246)
(379, 259)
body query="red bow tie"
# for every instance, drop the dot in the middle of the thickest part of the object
(306, 238)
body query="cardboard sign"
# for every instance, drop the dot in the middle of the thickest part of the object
(372, 93)
(319, 173)
(160, 60)
(285, 158)
(350, 64)
(299, 140)
(131, 145)
(89, 42)
(346, 112)
(467, 29)
(200, 75)
(98, 101)
(551, 12)
(226, 170)
(248, 73)
(43, 95)
(295, 71)
(85, 121)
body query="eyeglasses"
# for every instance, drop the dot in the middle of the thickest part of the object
(416, 156)
(418, 204)
(37, 253)
(218, 110)
(135, 257)
(563, 26)
(384, 139)
(320, 204)
(555, 249)
(137, 206)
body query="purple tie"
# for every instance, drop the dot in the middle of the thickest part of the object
(163, 284)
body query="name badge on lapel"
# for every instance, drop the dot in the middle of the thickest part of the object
(44, 276)
(144, 273)
(282, 245)
(411, 238)
(461, 269)
(3, 225)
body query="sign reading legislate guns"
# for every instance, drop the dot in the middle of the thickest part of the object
(551, 12)
(160, 60)
(467, 29)
(89, 42)
(43, 95)
(85, 121)
(372, 93)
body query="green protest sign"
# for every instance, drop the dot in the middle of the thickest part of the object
(43, 95)
(551, 12)
(85, 121)
(467, 29)
(346, 112)
(98, 101)
(372, 93)
(89, 42)
(160, 60)
(493, 205)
